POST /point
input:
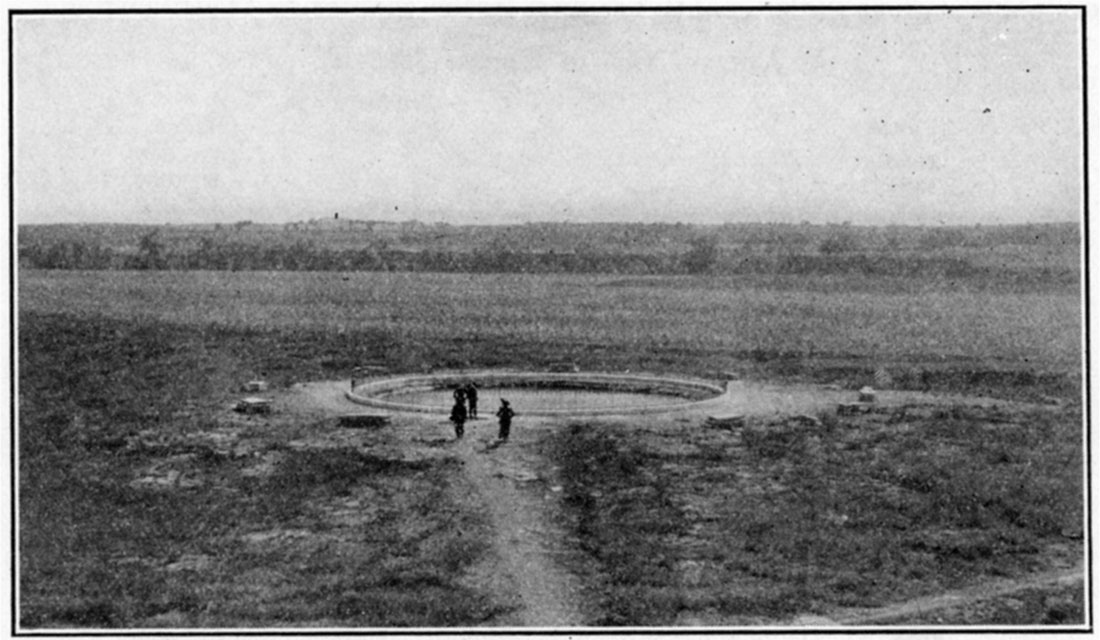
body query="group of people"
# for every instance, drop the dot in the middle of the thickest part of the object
(466, 395)
(465, 408)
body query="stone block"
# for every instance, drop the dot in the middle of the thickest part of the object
(254, 405)
(363, 420)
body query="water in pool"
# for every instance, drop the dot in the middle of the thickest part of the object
(539, 400)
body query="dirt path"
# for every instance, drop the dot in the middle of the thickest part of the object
(522, 570)
(524, 540)
(949, 600)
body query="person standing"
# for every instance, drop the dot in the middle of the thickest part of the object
(471, 400)
(458, 417)
(505, 414)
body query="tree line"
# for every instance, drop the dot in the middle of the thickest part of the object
(208, 254)
(833, 255)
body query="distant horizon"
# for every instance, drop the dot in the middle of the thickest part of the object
(876, 117)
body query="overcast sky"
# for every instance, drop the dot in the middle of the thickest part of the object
(914, 117)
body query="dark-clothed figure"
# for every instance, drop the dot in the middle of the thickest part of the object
(471, 400)
(458, 417)
(505, 413)
(460, 396)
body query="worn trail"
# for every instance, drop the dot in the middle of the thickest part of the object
(524, 539)
(962, 597)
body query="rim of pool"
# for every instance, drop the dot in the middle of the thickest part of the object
(662, 394)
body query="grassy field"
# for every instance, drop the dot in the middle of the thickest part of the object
(119, 370)
(109, 409)
(788, 517)
(812, 318)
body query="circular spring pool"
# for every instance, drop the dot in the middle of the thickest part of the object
(538, 400)
(539, 394)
